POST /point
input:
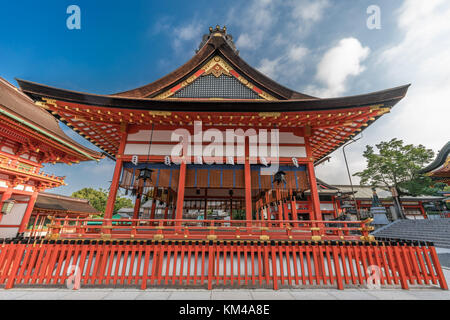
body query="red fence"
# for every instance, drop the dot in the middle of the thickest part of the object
(243, 263)
(158, 229)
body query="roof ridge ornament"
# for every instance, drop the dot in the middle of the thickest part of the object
(218, 32)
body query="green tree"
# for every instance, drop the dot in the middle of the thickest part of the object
(397, 165)
(98, 199)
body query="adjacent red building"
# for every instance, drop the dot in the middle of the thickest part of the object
(29, 137)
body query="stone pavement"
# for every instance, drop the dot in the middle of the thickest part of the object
(226, 294)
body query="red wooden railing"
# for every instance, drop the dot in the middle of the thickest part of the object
(22, 168)
(208, 263)
(173, 229)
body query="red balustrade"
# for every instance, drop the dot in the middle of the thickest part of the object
(214, 264)
(173, 229)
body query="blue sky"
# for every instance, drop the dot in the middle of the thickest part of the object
(319, 47)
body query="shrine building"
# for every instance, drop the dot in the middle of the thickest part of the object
(216, 91)
(219, 160)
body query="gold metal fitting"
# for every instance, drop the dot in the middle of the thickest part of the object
(211, 237)
(264, 237)
(158, 237)
(54, 236)
(316, 238)
(315, 229)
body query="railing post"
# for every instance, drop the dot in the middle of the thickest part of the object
(15, 265)
(437, 267)
(211, 259)
(401, 268)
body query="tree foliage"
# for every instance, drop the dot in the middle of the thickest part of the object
(98, 199)
(397, 165)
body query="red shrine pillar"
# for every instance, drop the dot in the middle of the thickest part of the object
(116, 177)
(137, 207)
(422, 210)
(153, 212)
(294, 209)
(27, 214)
(180, 197)
(248, 184)
(317, 214)
(333, 201)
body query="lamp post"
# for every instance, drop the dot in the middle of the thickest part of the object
(349, 176)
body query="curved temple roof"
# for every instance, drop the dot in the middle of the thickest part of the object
(217, 68)
(63, 204)
(20, 108)
(441, 163)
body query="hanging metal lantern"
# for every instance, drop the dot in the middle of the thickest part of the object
(279, 177)
(145, 174)
(7, 206)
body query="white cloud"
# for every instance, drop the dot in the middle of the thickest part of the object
(256, 18)
(420, 57)
(269, 67)
(245, 41)
(337, 65)
(187, 35)
(309, 10)
(188, 32)
(288, 65)
(274, 22)
(297, 53)
(423, 59)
